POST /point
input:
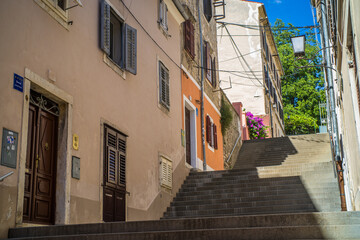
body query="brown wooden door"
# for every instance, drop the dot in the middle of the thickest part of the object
(187, 135)
(40, 172)
(114, 176)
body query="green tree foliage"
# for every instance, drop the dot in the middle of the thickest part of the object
(302, 85)
(226, 116)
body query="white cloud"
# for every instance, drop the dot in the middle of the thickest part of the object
(278, 1)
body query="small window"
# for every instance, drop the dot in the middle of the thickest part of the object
(56, 9)
(165, 172)
(164, 86)
(211, 132)
(207, 60)
(207, 4)
(118, 39)
(163, 15)
(189, 44)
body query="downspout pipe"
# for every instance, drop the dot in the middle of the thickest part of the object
(202, 88)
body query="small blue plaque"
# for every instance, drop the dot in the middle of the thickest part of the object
(18, 82)
(197, 112)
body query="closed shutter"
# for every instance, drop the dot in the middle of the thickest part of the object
(213, 69)
(164, 85)
(166, 172)
(122, 159)
(130, 39)
(111, 157)
(192, 40)
(189, 38)
(215, 137)
(208, 129)
(115, 158)
(166, 17)
(105, 27)
(208, 62)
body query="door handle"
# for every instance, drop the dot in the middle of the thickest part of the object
(37, 161)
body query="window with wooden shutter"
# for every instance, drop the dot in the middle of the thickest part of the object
(117, 39)
(189, 38)
(163, 15)
(164, 86)
(215, 137)
(115, 158)
(213, 75)
(208, 129)
(208, 62)
(165, 172)
(207, 4)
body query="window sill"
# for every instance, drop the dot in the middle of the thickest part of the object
(164, 109)
(211, 148)
(164, 31)
(114, 66)
(59, 15)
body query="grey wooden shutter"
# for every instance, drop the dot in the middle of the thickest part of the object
(213, 75)
(111, 157)
(164, 85)
(105, 27)
(122, 159)
(167, 89)
(130, 48)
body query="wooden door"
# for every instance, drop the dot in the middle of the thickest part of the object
(187, 135)
(114, 176)
(40, 171)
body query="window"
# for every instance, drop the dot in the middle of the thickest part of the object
(118, 39)
(56, 9)
(165, 172)
(207, 9)
(189, 44)
(164, 89)
(163, 15)
(213, 72)
(211, 132)
(207, 60)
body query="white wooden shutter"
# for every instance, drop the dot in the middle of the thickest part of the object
(166, 172)
(105, 27)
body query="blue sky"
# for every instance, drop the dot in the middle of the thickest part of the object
(297, 12)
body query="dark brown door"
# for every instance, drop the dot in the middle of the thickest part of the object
(40, 172)
(187, 135)
(114, 176)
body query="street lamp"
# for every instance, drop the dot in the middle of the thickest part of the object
(298, 44)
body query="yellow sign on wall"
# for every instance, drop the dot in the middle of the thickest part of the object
(75, 142)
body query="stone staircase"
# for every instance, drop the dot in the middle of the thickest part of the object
(271, 176)
(282, 188)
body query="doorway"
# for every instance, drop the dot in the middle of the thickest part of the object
(40, 166)
(114, 192)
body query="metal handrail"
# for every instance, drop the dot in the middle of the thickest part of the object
(5, 176)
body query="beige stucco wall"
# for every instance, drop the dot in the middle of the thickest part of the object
(244, 60)
(246, 86)
(33, 39)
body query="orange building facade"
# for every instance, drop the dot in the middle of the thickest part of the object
(191, 116)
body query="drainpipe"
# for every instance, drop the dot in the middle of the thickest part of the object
(329, 78)
(202, 88)
(271, 119)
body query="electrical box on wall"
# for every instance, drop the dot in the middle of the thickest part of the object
(9, 148)
(75, 171)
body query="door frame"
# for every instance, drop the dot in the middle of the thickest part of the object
(104, 122)
(193, 149)
(64, 143)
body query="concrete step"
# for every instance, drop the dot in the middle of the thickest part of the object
(292, 232)
(253, 221)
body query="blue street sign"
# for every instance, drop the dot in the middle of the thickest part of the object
(18, 82)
